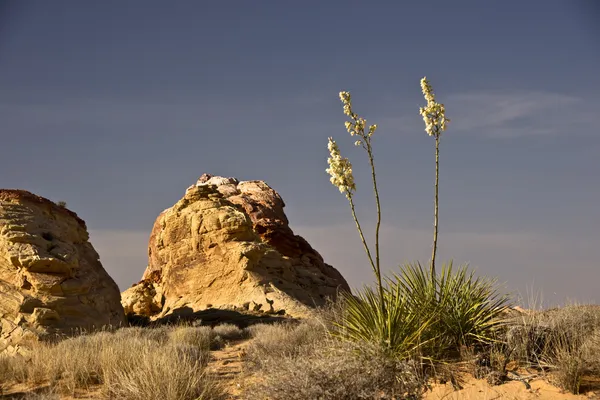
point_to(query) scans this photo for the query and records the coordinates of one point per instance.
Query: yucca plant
(465, 309)
(414, 308)
(397, 331)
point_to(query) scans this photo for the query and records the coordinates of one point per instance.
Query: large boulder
(51, 279)
(227, 244)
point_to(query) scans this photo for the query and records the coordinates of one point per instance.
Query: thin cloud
(509, 115)
(515, 114)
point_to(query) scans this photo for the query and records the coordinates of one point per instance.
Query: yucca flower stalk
(434, 116)
(340, 170)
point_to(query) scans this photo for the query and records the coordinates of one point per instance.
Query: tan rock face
(51, 279)
(228, 244)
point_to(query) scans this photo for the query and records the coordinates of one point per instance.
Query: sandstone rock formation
(227, 244)
(51, 280)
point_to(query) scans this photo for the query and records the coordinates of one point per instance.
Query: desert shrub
(281, 340)
(201, 337)
(229, 332)
(73, 362)
(572, 345)
(41, 365)
(173, 372)
(332, 369)
(563, 341)
(77, 361)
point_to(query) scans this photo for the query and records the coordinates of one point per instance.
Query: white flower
(434, 114)
(340, 170)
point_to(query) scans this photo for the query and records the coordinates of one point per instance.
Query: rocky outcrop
(227, 244)
(51, 279)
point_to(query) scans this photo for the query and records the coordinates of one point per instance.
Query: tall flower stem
(435, 207)
(378, 225)
(362, 236)
(356, 127)
(434, 116)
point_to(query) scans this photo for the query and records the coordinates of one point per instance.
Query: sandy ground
(474, 389)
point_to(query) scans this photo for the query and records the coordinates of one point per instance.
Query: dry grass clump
(175, 371)
(564, 342)
(130, 364)
(304, 362)
(229, 332)
(200, 337)
(282, 340)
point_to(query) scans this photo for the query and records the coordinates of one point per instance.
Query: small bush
(281, 340)
(572, 346)
(564, 341)
(229, 332)
(330, 370)
(174, 372)
(201, 337)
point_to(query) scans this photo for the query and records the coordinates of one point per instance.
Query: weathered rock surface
(51, 279)
(227, 244)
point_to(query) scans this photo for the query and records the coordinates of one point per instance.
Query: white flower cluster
(340, 170)
(357, 125)
(434, 114)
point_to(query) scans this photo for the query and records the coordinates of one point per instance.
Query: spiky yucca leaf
(472, 306)
(393, 329)
(465, 309)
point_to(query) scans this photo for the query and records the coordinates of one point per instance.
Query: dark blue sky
(117, 107)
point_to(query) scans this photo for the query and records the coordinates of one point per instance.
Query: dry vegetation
(131, 363)
(562, 344)
(304, 360)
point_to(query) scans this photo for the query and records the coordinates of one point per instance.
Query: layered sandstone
(227, 244)
(51, 279)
